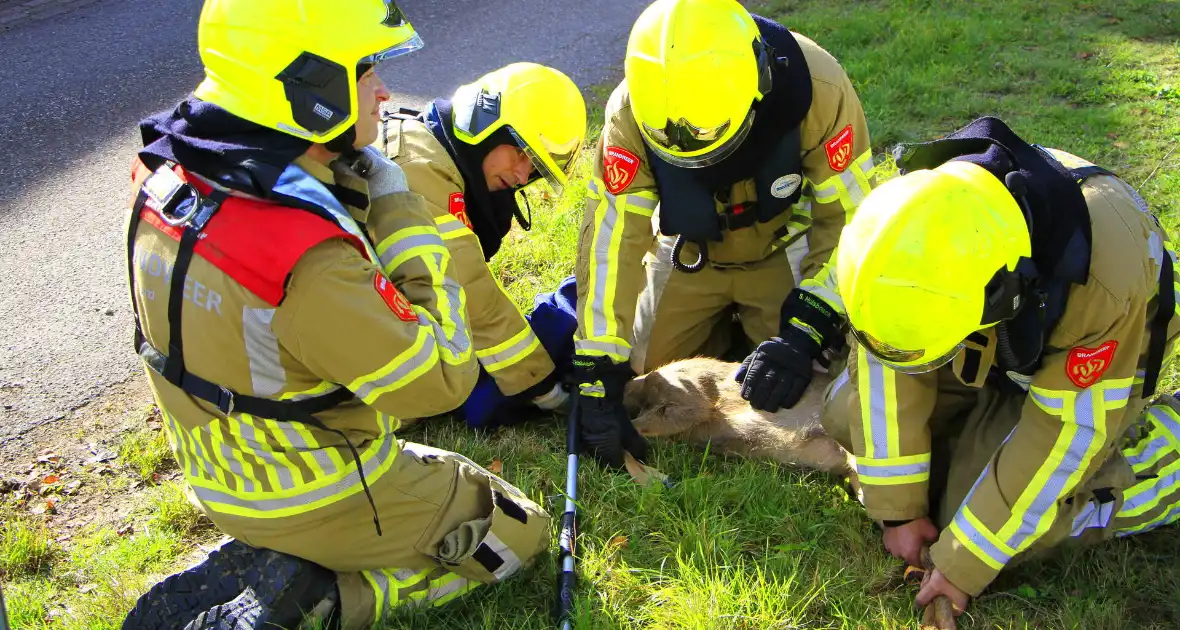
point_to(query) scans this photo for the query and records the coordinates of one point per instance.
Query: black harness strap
(1165, 309)
(174, 364)
(1165, 305)
(172, 368)
(132, 230)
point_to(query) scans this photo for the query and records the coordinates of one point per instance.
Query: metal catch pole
(569, 525)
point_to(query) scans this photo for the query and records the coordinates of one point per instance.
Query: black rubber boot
(237, 587)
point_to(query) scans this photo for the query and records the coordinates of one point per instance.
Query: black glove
(604, 430)
(776, 374)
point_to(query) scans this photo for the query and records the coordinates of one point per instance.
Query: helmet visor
(395, 18)
(560, 157)
(904, 361)
(683, 144)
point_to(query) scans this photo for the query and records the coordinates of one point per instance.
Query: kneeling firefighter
(731, 154)
(470, 157)
(1012, 306)
(282, 349)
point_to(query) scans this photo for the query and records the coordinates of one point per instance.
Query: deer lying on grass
(698, 401)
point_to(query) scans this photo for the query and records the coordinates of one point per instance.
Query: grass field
(748, 545)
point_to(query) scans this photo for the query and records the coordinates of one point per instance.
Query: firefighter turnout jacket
(1080, 397)
(504, 343)
(621, 223)
(301, 344)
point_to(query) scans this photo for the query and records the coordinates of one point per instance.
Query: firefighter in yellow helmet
(731, 154)
(282, 348)
(470, 156)
(1011, 307)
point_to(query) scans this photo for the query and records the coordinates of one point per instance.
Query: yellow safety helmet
(541, 107)
(695, 69)
(924, 260)
(291, 65)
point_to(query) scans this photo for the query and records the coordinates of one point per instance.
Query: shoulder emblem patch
(839, 149)
(1084, 366)
(619, 167)
(394, 298)
(457, 206)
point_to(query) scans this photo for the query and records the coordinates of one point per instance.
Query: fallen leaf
(1084, 55)
(49, 458)
(1113, 20)
(617, 542)
(125, 530)
(496, 467)
(44, 508)
(73, 486)
(49, 480)
(1112, 135)
(1120, 145)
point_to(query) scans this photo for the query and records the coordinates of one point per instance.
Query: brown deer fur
(697, 400)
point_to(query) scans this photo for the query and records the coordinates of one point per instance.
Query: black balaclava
(490, 212)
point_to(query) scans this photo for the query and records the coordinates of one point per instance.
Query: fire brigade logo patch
(839, 149)
(457, 206)
(394, 299)
(619, 167)
(1085, 366)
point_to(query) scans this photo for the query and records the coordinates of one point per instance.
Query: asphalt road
(71, 91)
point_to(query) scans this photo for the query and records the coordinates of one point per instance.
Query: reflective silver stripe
(205, 460)
(889, 470)
(1048, 402)
(1116, 394)
(300, 445)
(1151, 452)
(305, 396)
(1166, 519)
(1160, 487)
(511, 352)
(348, 481)
(405, 244)
(454, 585)
(460, 343)
(267, 375)
(1155, 246)
(601, 255)
(178, 434)
(582, 345)
(981, 542)
(852, 184)
(1093, 515)
(448, 227)
(642, 202)
(236, 467)
(796, 251)
(1077, 455)
(263, 452)
(511, 560)
(401, 575)
(380, 581)
(841, 381)
(424, 354)
(877, 440)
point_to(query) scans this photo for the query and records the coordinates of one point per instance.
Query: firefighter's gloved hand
(779, 370)
(776, 373)
(384, 177)
(604, 429)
